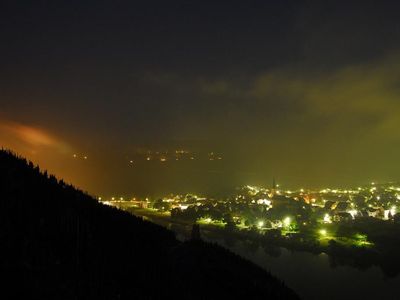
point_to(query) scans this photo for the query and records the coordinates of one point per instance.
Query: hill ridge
(59, 242)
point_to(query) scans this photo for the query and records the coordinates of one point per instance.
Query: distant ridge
(57, 242)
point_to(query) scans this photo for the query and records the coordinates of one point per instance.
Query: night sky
(304, 91)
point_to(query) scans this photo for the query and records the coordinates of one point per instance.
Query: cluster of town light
(327, 219)
(361, 240)
(286, 221)
(393, 210)
(353, 213)
(262, 196)
(323, 232)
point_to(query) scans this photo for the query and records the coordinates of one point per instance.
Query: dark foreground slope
(57, 242)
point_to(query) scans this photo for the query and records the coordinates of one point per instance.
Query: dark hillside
(57, 242)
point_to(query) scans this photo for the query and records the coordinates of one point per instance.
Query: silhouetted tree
(195, 236)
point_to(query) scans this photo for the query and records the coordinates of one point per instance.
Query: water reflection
(314, 276)
(317, 276)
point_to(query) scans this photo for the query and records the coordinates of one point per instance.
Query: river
(313, 277)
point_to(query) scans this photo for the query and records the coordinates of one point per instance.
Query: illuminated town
(307, 217)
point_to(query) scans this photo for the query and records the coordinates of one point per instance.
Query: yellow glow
(393, 210)
(264, 201)
(327, 218)
(287, 221)
(353, 213)
(323, 232)
(183, 207)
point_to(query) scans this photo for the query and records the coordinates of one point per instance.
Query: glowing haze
(304, 91)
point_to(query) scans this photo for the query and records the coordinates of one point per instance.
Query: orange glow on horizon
(17, 135)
